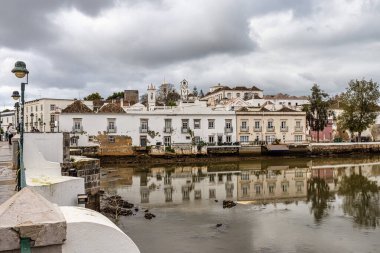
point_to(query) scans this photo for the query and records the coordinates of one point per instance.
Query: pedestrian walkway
(7, 175)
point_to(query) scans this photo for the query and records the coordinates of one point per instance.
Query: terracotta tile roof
(77, 107)
(237, 88)
(111, 108)
(286, 109)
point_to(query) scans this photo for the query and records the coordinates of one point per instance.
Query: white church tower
(184, 86)
(151, 97)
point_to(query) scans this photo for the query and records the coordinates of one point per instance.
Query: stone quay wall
(341, 148)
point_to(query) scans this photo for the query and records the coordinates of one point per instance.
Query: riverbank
(238, 153)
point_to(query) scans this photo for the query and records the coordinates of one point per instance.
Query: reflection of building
(272, 185)
(183, 184)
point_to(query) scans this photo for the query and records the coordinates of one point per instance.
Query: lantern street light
(16, 96)
(20, 71)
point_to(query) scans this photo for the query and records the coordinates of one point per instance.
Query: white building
(183, 124)
(6, 118)
(43, 114)
(219, 92)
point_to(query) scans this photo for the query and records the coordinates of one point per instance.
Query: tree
(167, 95)
(359, 104)
(317, 110)
(144, 99)
(201, 95)
(195, 91)
(93, 96)
(116, 95)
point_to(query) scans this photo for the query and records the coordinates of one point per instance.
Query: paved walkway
(7, 175)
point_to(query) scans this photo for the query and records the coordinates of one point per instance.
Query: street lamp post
(17, 106)
(20, 71)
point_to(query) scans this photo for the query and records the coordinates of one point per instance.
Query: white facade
(166, 126)
(43, 114)
(6, 118)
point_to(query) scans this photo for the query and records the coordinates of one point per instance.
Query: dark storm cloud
(76, 47)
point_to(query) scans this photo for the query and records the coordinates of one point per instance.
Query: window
(36, 108)
(167, 141)
(197, 124)
(77, 125)
(245, 190)
(197, 194)
(244, 124)
(229, 177)
(258, 189)
(211, 193)
(211, 139)
(211, 124)
(289, 103)
(168, 195)
(238, 95)
(228, 138)
(257, 124)
(41, 108)
(185, 126)
(74, 140)
(298, 124)
(299, 186)
(283, 124)
(270, 124)
(271, 188)
(168, 126)
(52, 107)
(26, 109)
(298, 173)
(31, 109)
(220, 178)
(244, 138)
(111, 127)
(197, 139)
(228, 124)
(143, 125)
(91, 138)
(111, 139)
(285, 187)
(244, 176)
(211, 178)
(298, 138)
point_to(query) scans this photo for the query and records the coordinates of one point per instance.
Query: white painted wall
(129, 123)
(90, 232)
(43, 153)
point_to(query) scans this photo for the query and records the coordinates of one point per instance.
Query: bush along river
(269, 205)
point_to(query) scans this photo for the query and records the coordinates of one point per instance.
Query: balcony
(111, 129)
(144, 129)
(257, 129)
(77, 129)
(284, 129)
(168, 130)
(244, 129)
(228, 129)
(185, 130)
(270, 129)
(298, 129)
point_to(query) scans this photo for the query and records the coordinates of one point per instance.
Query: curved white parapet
(91, 232)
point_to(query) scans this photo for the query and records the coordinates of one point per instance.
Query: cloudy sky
(73, 48)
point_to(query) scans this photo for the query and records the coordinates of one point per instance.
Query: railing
(168, 130)
(111, 130)
(257, 129)
(270, 129)
(144, 129)
(77, 130)
(298, 129)
(185, 130)
(244, 129)
(284, 129)
(228, 129)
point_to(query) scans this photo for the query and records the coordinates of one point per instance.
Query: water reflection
(352, 188)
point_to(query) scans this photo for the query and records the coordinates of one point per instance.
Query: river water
(283, 205)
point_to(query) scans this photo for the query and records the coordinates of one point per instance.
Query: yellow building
(260, 125)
